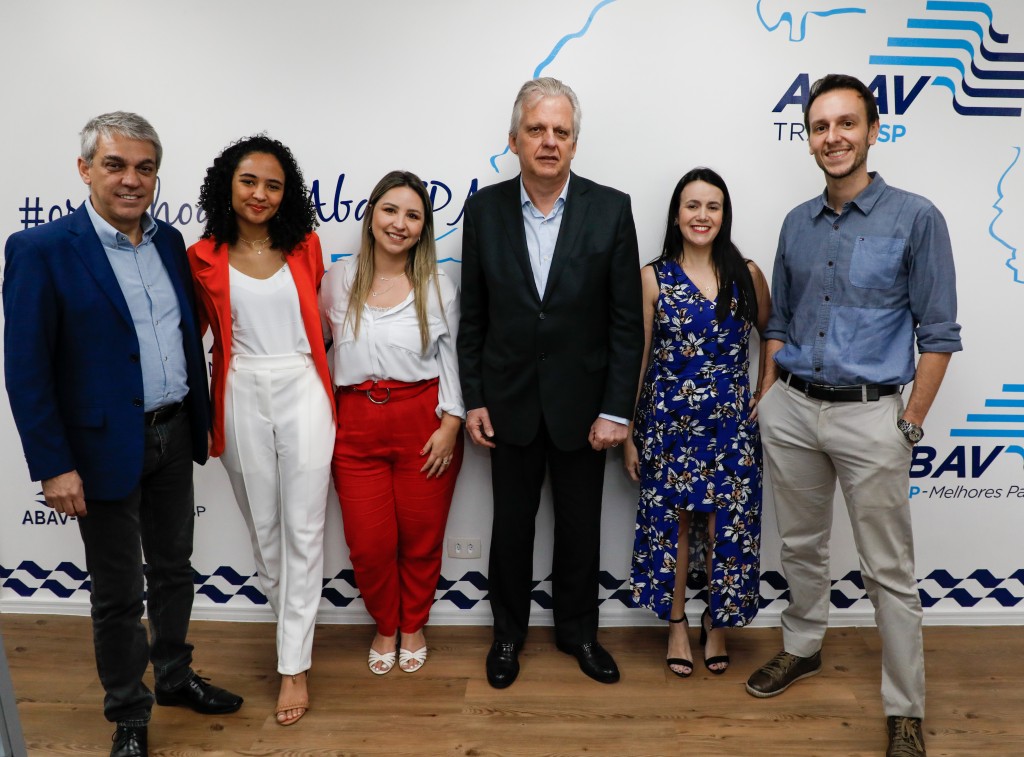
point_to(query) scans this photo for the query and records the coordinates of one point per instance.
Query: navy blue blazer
(71, 355)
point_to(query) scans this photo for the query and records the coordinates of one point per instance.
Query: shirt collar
(111, 237)
(865, 201)
(524, 198)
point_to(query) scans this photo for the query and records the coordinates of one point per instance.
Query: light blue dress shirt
(154, 306)
(541, 234)
(851, 291)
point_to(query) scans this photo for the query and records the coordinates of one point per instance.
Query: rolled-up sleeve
(933, 285)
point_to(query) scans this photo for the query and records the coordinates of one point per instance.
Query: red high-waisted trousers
(394, 516)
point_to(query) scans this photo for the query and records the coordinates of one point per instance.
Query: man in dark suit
(550, 340)
(107, 382)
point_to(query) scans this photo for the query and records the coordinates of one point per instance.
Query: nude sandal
(301, 705)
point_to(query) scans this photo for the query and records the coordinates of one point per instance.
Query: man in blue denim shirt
(860, 272)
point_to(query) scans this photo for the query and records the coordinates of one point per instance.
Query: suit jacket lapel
(512, 217)
(87, 244)
(577, 203)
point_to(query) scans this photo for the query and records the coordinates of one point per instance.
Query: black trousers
(577, 481)
(156, 521)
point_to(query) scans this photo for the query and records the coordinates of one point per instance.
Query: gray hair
(122, 123)
(545, 86)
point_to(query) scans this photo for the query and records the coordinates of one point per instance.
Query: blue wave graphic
(1001, 425)
(549, 59)
(1018, 275)
(972, 44)
(787, 18)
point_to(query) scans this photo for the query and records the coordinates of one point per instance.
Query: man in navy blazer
(106, 377)
(550, 341)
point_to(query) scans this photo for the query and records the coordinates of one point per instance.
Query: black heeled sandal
(718, 659)
(680, 661)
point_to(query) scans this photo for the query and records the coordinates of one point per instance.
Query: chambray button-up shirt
(852, 291)
(148, 290)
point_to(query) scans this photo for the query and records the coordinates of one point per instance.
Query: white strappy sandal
(386, 661)
(410, 662)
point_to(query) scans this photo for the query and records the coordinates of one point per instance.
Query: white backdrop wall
(357, 89)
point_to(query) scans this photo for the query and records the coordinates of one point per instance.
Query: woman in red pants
(394, 316)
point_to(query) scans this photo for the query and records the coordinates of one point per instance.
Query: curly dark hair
(294, 219)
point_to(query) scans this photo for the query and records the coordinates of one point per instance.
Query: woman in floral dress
(695, 447)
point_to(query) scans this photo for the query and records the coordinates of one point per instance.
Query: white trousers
(279, 438)
(808, 445)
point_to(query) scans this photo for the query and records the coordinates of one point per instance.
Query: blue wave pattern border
(227, 587)
(798, 32)
(937, 40)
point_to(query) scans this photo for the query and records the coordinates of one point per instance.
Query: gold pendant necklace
(256, 244)
(384, 278)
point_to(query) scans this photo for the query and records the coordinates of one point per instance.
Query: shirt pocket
(876, 261)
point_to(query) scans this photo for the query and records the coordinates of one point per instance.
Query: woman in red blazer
(257, 271)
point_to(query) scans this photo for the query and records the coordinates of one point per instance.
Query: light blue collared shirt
(154, 307)
(541, 234)
(851, 291)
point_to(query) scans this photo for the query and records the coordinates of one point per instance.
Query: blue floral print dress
(699, 451)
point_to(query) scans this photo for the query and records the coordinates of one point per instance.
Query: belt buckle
(372, 389)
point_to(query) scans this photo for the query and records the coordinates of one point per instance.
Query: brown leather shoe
(781, 672)
(905, 737)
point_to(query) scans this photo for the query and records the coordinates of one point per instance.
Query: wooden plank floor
(975, 697)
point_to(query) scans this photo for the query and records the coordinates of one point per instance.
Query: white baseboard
(480, 615)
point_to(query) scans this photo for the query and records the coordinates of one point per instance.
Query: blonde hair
(420, 267)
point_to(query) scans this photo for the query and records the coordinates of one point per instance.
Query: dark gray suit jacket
(566, 354)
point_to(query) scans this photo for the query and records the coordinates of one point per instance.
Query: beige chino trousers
(808, 445)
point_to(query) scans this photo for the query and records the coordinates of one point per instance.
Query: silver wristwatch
(912, 431)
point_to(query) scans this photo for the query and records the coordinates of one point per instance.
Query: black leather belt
(162, 414)
(849, 393)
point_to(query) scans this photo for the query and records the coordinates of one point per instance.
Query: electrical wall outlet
(464, 547)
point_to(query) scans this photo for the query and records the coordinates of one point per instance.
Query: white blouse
(265, 315)
(389, 346)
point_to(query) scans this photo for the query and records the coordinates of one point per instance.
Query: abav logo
(997, 432)
(952, 45)
(959, 48)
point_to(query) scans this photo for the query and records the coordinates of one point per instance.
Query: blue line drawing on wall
(550, 58)
(1011, 262)
(786, 17)
(536, 72)
(971, 52)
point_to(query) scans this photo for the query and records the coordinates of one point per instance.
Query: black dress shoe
(594, 660)
(502, 664)
(129, 741)
(201, 696)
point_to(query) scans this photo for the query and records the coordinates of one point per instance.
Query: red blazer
(209, 262)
